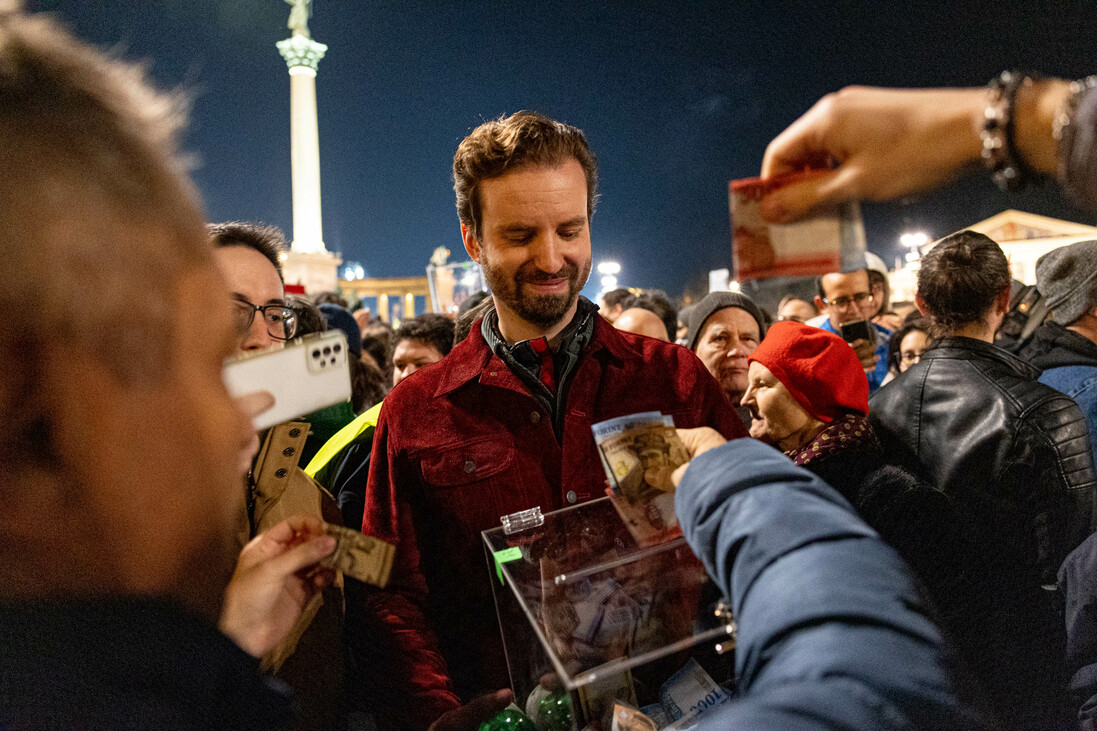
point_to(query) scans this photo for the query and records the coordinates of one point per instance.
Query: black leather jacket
(1013, 455)
(972, 420)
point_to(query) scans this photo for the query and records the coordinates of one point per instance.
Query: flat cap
(1065, 278)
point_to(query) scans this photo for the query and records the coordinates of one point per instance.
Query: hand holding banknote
(697, 442)
(275, 577)
(881, 144)
(639, 453)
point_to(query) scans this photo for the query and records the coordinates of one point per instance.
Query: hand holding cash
(282, 569)
(831, 240)
(359, 556)
(696, 442)
(639, 453)
(275, 577)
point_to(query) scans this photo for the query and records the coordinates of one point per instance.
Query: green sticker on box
(506, 556)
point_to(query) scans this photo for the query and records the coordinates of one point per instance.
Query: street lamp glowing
(609, 267)
(914, 240)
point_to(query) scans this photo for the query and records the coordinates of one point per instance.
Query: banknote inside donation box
(608, 619)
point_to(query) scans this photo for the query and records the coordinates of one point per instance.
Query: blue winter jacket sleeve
(833, 632)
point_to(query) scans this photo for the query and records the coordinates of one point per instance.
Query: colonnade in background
(387, 292)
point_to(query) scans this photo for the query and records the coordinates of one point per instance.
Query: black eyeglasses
(280, 320)
(841, 303)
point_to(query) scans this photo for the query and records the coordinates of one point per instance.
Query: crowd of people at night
(902, 521)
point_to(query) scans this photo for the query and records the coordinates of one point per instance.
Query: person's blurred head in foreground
(123, 479)
(801, 379)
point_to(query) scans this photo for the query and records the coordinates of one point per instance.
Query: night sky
(676, 99)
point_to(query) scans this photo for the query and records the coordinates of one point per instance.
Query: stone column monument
(308, 261)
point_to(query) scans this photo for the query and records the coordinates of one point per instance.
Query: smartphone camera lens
(327, 350)
(316, 355)
(336, 348)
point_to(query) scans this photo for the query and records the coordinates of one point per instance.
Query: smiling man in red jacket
(502, 424)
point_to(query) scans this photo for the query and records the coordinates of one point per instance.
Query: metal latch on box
(522, 520)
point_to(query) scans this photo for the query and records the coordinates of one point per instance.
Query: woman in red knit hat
(808, 396)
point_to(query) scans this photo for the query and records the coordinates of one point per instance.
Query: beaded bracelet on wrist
(1007, 168)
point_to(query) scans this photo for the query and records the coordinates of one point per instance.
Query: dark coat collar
(1053, 346)
(961, 348)
(472, 358)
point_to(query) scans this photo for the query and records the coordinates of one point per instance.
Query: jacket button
(294, 433)
(571, 496)
(281, 472)
(469, 466)
(534, 417)
(288, 451)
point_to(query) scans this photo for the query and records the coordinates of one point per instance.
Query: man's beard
(543, 311)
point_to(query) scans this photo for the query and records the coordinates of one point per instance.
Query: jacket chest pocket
(469, 482)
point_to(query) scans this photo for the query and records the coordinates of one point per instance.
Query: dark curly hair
(960, 278)
(431, 329)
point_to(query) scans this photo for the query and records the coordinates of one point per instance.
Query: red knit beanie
(818, 368)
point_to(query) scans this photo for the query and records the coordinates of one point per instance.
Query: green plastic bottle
(508, 719)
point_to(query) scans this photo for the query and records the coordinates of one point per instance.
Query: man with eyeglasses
(310, 659)
(248, 256)
(847, 297)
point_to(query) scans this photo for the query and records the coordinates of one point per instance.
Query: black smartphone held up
(857, 330)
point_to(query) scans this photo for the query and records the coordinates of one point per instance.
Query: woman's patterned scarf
(851, 431)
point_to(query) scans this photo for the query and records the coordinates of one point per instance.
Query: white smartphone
(306, 375)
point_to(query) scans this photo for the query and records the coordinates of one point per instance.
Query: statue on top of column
(298, 22)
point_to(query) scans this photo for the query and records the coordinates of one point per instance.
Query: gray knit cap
(1065, 278)
(716, 301)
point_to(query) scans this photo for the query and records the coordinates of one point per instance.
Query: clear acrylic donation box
(588, 612)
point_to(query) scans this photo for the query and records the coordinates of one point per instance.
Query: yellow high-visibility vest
(342, 438)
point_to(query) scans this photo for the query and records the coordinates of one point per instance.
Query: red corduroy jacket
(463, 442)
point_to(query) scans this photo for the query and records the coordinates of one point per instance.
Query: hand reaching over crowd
(885, 143)
(275, 578)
